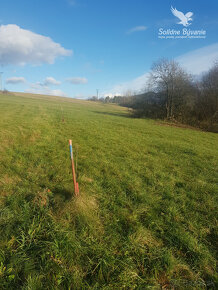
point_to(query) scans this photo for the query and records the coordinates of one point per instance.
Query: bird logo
(184, 18)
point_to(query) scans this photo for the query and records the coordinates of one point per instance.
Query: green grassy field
(146, 214)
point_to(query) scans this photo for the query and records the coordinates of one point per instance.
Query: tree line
(175, 95)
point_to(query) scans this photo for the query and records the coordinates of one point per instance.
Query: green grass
(146, 214)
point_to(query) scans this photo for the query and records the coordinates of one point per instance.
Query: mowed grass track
(146, 214)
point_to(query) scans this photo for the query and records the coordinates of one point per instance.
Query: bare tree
(170, 79)
(209, 97)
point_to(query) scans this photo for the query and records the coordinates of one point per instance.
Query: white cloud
(15, 80)
(77, 80)
(19, 47)
(51, 81)
(136, 29)
(199, 60)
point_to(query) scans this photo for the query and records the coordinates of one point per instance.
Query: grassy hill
(146, 214)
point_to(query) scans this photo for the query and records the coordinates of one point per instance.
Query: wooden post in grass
(76, 185)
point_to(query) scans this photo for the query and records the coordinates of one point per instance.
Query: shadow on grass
(63, 193)
(125, 115)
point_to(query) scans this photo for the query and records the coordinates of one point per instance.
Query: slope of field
(146, 214)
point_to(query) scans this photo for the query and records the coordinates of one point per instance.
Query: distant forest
(174, 95)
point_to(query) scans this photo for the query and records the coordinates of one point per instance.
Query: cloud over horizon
(20, 47)
(37, 88)
(43, 88)
(51, 81)
(196, 62)
(15, 80)
(136, 85)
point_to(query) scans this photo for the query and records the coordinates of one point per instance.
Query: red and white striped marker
(76, 185)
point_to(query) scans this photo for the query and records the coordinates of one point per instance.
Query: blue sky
(73, 47)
